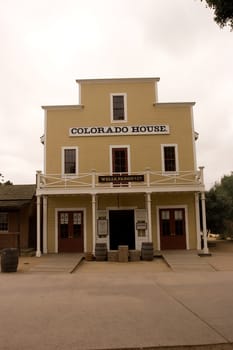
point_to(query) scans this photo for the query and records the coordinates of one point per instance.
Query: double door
(70, 231)
(172, 228)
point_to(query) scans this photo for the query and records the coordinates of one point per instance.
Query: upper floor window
(70, 156)
(119, 160)
(3, 222)
(169, 158)
(119, 163)
(118, 107)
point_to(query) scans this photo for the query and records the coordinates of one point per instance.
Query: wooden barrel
(101, 251)
(147, 251)
(9, 259)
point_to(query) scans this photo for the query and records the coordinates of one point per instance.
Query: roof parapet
(117, 80)
(63, 107)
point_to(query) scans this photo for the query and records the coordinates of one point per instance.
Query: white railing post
(93, 222)
(148, 177)
(148, 197)
(38, 249)
(205, 248)
(38, 215)
(202, 174)
(45, 222)
(93, 173)
(38, 180)
(198, 230)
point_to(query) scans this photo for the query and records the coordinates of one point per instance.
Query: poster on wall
(102, 227)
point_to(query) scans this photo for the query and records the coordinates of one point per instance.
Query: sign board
(119, 130)
(141, 225)
(121, 178)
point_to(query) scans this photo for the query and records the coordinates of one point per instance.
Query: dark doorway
(121, 227)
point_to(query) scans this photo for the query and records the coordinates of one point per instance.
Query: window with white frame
(119, 163)
(70, 160)
(119, 160)
(118, 107)
(169, 158)
(4, 222)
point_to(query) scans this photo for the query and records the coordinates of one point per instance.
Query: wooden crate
(113, 255)
(123, 255)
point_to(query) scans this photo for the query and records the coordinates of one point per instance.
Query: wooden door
(172, 228)
(70, 231)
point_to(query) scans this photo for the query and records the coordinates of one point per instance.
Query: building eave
(173, 104)
(62, 107)
(117, 80)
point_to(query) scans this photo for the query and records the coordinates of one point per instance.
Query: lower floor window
(3, 222)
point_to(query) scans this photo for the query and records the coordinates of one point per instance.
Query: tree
(223, 11)
(2, 182)
(219, 206)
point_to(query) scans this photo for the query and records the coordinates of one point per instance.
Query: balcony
(138, 182)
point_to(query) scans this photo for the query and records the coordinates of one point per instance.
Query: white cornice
(63, 107)
(117, 80)
(173, 104)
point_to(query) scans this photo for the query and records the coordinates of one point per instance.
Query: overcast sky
(47, 44)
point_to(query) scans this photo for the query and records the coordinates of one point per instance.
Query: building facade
(119, 168)
(18, 216)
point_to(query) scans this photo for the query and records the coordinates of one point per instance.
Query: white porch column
(93, 222)
(38, 250)
(198, 230)
(45, 221)
(205, 249)
(148, 197)
(38, 214)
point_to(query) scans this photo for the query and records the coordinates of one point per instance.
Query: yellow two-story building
(119, 168)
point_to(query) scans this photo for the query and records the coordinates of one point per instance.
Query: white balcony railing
(100, 181)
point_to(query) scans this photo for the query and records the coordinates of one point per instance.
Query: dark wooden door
(70, 231)
(172, 228)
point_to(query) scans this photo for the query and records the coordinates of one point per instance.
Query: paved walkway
(176, 260)
(187, 260)
(56, 263)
